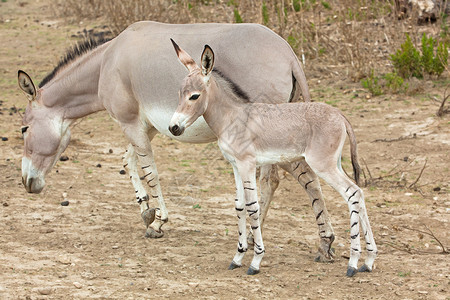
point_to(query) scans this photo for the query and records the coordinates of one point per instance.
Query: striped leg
(353, 196)
(130, 163)
(239, 203)
(310, 182)
(140, 139)
(371, 247)
(268, 182)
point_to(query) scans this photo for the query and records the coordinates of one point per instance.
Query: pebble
(115, 247)
(45, 291)
(64, 158)
(122, 172)
(4, 139)
(422, 292)
(65, 260)
(77, 285)
(5, 204)
(98, 165)
(65, 203)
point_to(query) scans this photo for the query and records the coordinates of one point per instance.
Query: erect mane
(77, 50)
(235, 89)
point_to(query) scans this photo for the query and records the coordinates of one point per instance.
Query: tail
(299, 76)
(353, 150)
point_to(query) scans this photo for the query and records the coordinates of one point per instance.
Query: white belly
(275, 157)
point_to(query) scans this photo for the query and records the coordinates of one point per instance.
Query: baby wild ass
(255, 134)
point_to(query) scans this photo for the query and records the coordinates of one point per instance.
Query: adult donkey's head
(193, 96)
(45, 133)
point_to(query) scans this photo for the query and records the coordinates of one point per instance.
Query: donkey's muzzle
(176, 130)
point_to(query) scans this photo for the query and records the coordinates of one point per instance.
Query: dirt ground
(95, 247)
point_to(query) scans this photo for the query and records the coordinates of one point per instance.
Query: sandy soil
(95, 247)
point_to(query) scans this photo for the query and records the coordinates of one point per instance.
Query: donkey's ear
(184, 57)
(207, 60)
(26, 84)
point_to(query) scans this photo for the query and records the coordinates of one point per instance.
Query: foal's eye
(24, 129)
(194, 97)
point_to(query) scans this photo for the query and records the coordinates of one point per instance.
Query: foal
(255, 134)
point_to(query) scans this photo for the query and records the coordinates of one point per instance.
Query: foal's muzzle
(176, 130)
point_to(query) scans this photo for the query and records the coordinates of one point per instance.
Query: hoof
(252, 271)
(233, 266)
(148, 216)
(351, 272)
(364, 268)
(152, 234)
(325, 257)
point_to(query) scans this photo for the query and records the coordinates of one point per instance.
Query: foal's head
(193, 93)
(45, 135)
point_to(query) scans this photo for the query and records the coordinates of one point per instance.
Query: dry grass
(342, 38)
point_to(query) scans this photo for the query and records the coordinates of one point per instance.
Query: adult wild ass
(134, 78)
(272, 134)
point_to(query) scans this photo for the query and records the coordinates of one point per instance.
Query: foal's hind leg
(130, 161)
(354, 197)
(310, 182)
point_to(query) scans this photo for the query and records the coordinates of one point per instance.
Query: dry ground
(95, 247)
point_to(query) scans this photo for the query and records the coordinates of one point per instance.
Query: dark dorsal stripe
(77, 50)
(236, 89)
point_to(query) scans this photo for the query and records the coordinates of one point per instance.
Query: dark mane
(77, 50)
(236, 89)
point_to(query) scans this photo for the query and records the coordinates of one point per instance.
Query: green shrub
(265, 14)
(406, 61)
(371, 83)
(394, 83)
(237, 16)
(409, 62)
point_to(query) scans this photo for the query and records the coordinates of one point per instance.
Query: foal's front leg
(246, 185)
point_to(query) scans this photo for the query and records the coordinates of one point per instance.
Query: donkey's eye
(24, 129)
(194, 97)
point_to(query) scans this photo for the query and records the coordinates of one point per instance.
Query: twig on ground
(441, 111)
(430, 233)
(420, 174)
(413, 136)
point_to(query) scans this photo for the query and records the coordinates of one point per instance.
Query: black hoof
(364, 268)
(252, 271)
(351, 272)
(153, 234)
(148, 216)
(233, 266)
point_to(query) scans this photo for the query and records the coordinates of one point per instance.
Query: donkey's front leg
(310, 182)
(140, 139)
(130, 161)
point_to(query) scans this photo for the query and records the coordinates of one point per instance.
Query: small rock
(45, 291)
(65, 203)
(122, 172)
(437, 189)
(4, 138)
(65, 260)
(422, 292)
(98, 165)
(5, 204)
(77, 285)
(64, 158)
(110, 151)
(115, 247)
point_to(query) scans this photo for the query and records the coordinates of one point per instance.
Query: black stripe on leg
(298, 165)
(320, 224)
(306, 185)
(151, 179)
(319, 214)
(302, 173)
(352, 195)
(347, 189)
(143, 177)
(252, 212)
(356, 250)
(141, 155)
(356, 223)
(356, 202)
(239, 209)
(247, 188)
(154, 197)
(251, 203)
(261, 252)
(247, 181)
(145, 167)
(353, 211)
(354, 236)
(254, 227)
(314, 201)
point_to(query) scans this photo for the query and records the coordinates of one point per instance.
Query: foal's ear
(26, 84)
(184, 57)
(207, 61)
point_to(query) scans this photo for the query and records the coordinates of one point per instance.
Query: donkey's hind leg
(371, 247)
(310, 182)
(130, 161)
